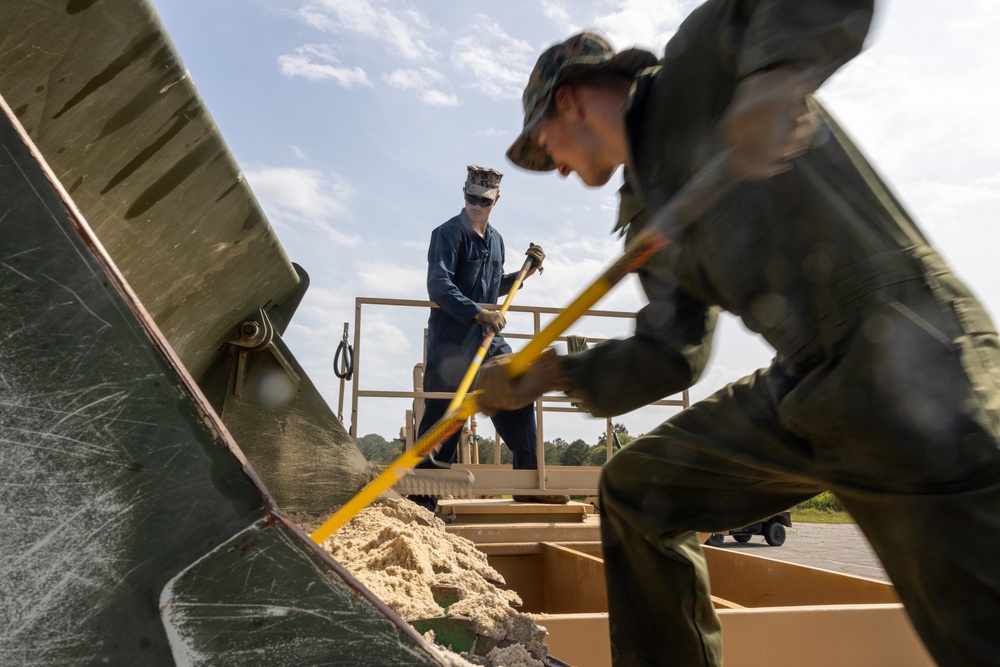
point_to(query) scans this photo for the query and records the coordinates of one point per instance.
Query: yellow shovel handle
(484, 347)
(461, 408)
(638, 252)
(447, 425)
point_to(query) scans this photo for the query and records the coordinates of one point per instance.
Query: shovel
(457, 481)
(699, 194)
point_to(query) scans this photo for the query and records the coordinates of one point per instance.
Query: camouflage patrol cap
(585, 51)
(483, 181)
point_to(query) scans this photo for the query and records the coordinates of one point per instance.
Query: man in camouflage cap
(465, 268)
(583, 53)
(885, 387)
(483, 182)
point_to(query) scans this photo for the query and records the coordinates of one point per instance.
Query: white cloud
(424, 80)
(950, 210)
(381, 333)
(903, 102)
(572, 262)
(498, 63)
(397, 26)
(983, 24)
(436, 98)
(304, 63)
(413, 79)
(559, 13)
(645, 23)
(393, 280)
(323, 311)
(293, 196)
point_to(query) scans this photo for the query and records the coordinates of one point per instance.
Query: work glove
(768, 121)
(500, 392)
(536, 253)
(491, 318)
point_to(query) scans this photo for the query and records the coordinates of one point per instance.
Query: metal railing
(493, 479)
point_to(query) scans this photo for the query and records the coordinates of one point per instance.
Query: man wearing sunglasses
(465, 268)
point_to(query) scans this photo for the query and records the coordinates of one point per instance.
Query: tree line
(558, 452)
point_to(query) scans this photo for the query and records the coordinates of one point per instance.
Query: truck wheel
(715, 540)
(741, 537)
(774, 534)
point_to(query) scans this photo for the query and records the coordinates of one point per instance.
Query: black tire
(715, 540)
(774, 534)
(742, 537)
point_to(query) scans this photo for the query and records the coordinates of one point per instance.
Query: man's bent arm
(667, 354)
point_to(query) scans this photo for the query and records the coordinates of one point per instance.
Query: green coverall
(884, 387)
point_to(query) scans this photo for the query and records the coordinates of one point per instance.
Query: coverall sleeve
(507, 279)
(507, 282)
(667, 354)
(826, 33)
(442, 263)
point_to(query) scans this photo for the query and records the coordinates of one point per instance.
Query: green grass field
(824, 508)
(819, 516)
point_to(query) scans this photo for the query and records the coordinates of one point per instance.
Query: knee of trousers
(616, 473)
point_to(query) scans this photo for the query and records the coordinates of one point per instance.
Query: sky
(354, 120)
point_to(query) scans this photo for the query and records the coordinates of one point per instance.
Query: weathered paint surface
(122, 491)
(297, 445)
(102, 92)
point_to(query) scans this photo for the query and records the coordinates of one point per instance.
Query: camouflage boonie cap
(577, 54)
(483, 181)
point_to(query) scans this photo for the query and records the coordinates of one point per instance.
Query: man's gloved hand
(499, 392)
(768, 121)
(491, 318)
(536, 253)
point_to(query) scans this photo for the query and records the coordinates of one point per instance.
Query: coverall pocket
(980, 351)
(468, 274)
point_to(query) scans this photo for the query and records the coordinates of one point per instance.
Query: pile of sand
(400, 551)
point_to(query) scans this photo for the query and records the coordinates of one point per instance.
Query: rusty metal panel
(103, 93)
(119, 482)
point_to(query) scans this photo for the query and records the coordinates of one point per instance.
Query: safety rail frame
(490, 480)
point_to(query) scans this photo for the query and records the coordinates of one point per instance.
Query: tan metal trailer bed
(773, 613)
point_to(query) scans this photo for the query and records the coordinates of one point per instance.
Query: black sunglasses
(481, 202)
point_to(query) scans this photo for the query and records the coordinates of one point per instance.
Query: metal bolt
(250, 328)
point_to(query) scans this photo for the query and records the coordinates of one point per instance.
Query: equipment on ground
(772, 529)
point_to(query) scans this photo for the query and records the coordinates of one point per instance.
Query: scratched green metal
(129, 521)
(103, 93)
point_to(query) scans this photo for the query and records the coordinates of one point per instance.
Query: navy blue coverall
(463, 270)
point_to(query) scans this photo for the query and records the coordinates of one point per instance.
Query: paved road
(837, 547)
